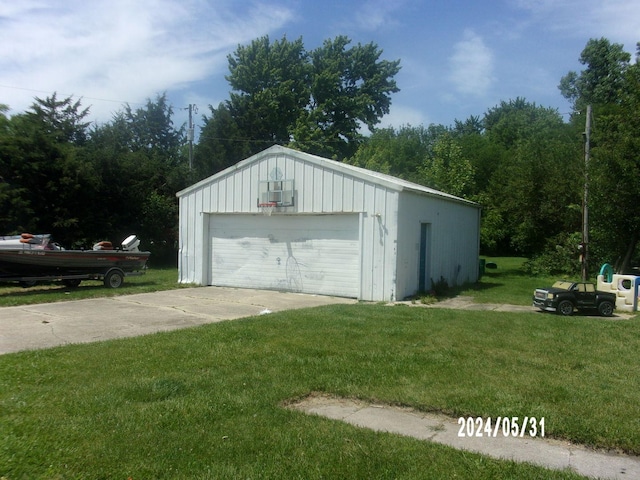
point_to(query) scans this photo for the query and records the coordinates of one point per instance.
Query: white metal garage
(304, 253)
(335, 229)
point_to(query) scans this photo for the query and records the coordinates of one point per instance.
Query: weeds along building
(286, 220)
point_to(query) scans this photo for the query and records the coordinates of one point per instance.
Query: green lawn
(206, 402)
(505, 284)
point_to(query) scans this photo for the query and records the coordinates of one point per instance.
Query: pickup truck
(565, 297)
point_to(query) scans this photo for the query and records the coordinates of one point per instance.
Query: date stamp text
(480, 427)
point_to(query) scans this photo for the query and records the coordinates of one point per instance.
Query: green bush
(561, 256)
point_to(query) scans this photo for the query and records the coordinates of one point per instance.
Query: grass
(505, 284)
(155, 279)
(207, 402)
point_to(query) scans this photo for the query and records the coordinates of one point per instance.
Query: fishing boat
(28, 258)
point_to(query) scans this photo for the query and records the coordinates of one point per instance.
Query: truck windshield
(562, 285)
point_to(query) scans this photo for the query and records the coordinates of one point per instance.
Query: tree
(350, 89)
(400, 152)
(610, 83)
(47, 183)
(14, 208)
(270, 82)
(314, 101)
(63, 119)
(531, 193)
(471, 126)
(151, 130)
(485, 156)
(85, 183)
(141, 165)
(222, 142)
(615, 174)
(447, 169)
(603, 79)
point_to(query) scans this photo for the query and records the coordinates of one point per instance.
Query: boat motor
(130, 244)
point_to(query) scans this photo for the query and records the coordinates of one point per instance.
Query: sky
(459, 58)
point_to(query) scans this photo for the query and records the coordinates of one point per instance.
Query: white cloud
(120, 50)
(619, 21)
(400, 115)
(471, 65)
(375, 14)
(616, 20)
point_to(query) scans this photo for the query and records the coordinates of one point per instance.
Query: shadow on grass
(443, 293)
(488, 281)
(57, 288)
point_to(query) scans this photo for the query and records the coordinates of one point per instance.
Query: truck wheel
(113, 279)
(565, 307)
(605, 309)
(71, 283)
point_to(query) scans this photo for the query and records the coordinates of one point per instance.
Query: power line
(70, 95)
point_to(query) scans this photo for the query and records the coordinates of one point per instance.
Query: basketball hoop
(267, 208)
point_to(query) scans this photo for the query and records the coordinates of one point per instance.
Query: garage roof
(388, 181)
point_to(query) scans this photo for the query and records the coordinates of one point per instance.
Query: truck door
(585, 295)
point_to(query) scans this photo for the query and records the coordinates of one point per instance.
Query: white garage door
(301, 253)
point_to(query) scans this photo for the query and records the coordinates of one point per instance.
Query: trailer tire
(72, 282)
(114, 279)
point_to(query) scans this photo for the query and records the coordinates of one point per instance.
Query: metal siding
(230, 193)
(299, 177)
(188, 257)
(183, 238)
(213, 200)
(370, 248)
(253, 172)
(347, 194)
(199, 239)
(306, 205)
(239, 192)
(328, 189)
(222, 195)
(317, 190)
(454, 241)
(338, 193)
(249, 194)
(386, 243)
(289, 170)
(358, 195)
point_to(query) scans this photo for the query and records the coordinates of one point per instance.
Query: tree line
(522, 162)
(83, 183)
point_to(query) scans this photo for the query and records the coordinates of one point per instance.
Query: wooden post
(585, 200)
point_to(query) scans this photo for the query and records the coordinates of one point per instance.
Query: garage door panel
(311, 254)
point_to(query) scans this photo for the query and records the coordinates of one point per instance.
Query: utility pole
(585, 201)
(190, 134)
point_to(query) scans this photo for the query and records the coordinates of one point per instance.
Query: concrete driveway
(52, 324)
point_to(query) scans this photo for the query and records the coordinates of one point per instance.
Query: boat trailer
(112, 278)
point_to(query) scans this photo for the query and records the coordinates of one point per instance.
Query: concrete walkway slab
(462, 302)
(545, 452)
(48, 325)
